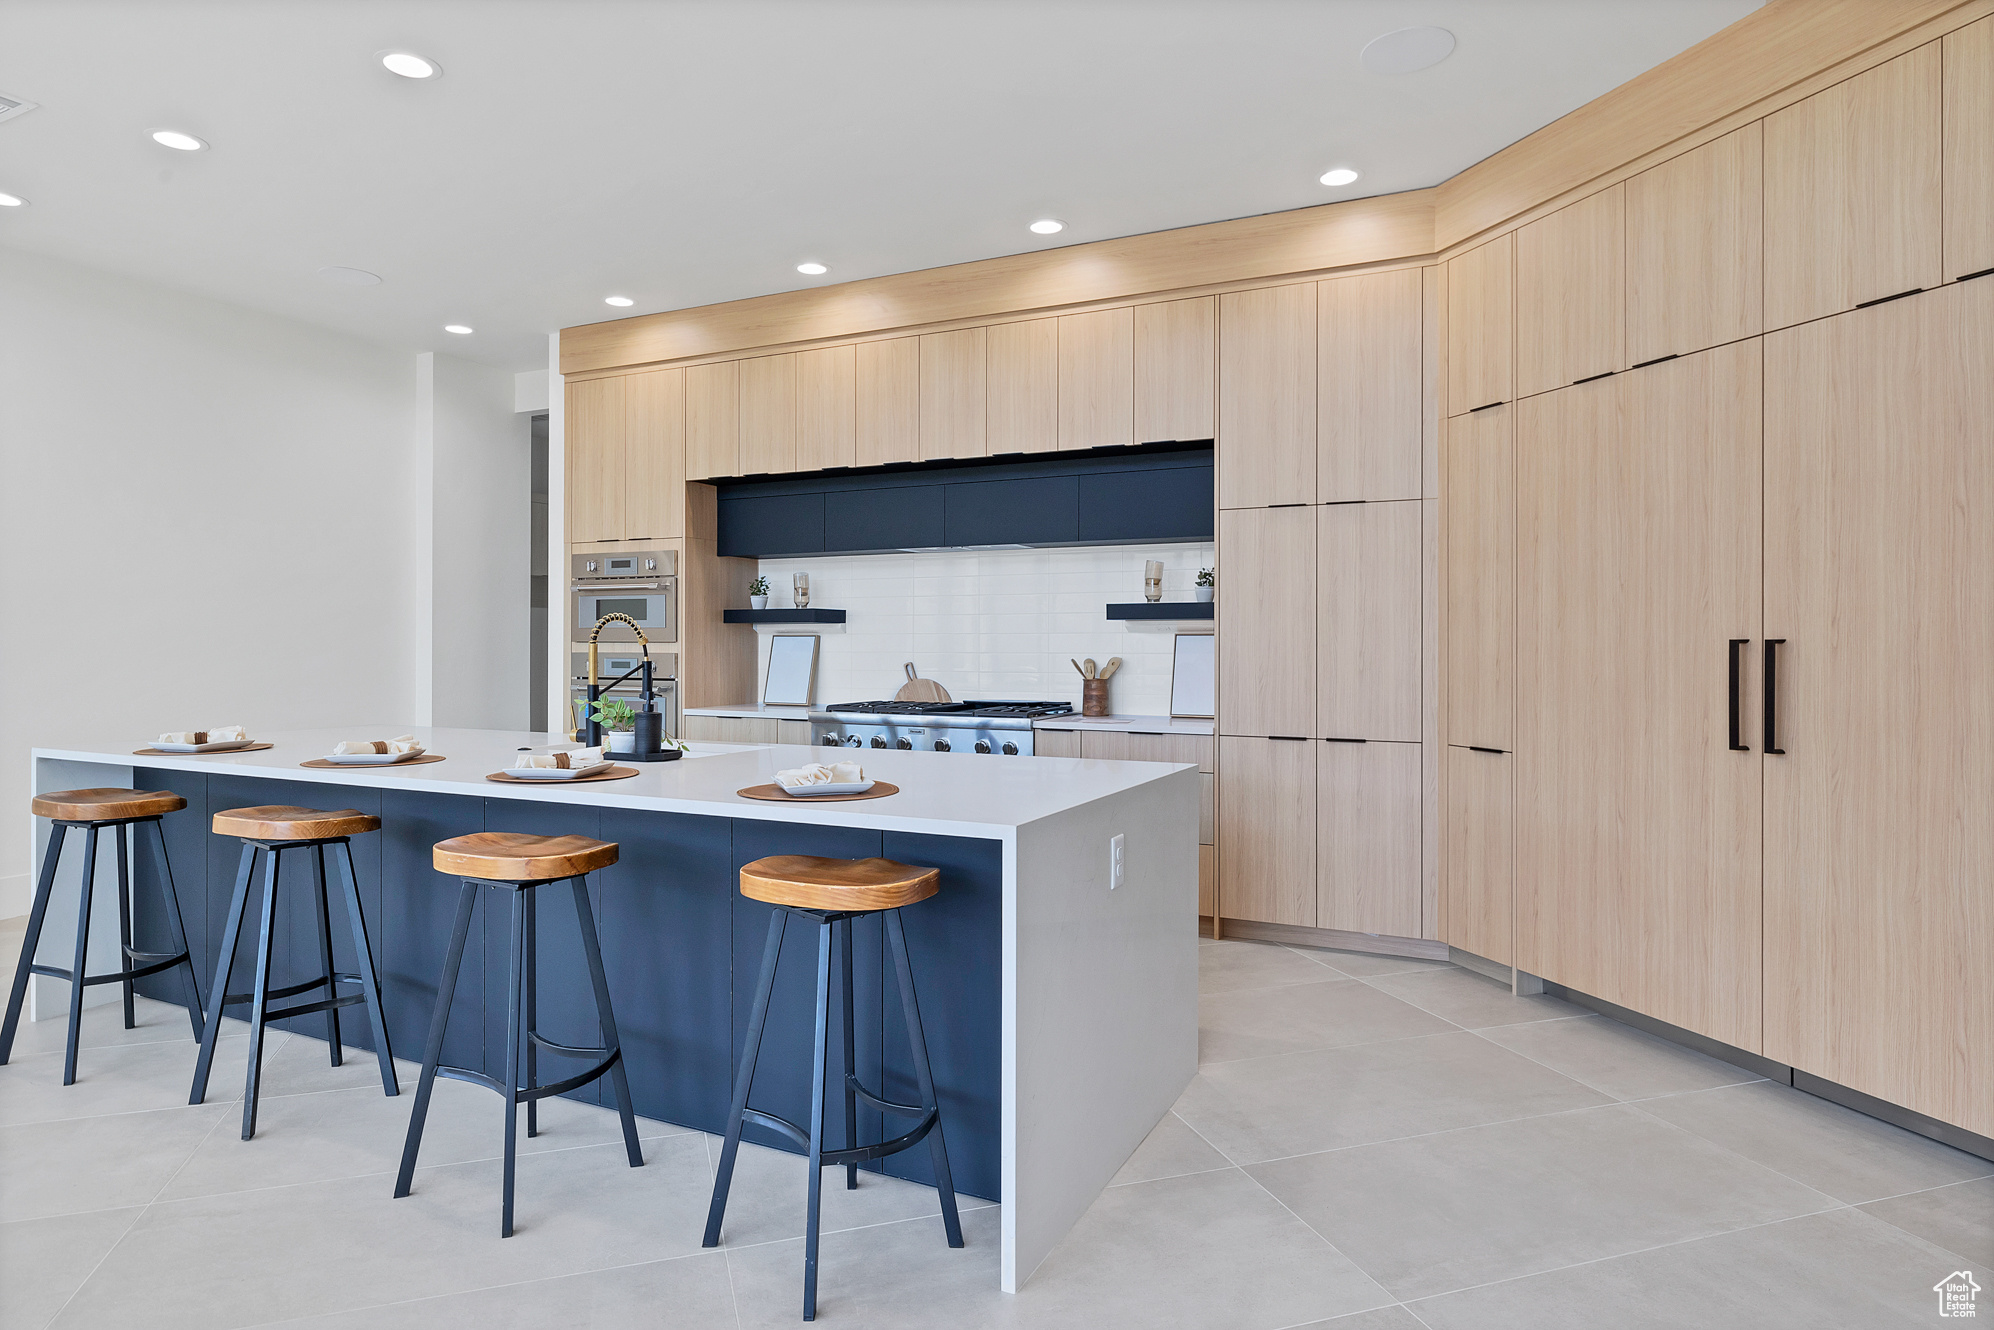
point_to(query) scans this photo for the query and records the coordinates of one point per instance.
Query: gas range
(1000, 728)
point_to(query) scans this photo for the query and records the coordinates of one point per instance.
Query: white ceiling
(685, 153)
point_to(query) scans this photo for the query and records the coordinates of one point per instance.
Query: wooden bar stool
(92, 811)
(515, 862)
(830, 892)
(272, 829)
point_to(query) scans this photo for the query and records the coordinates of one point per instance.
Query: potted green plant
(1206, 584)
(758, 593)
(619, 724)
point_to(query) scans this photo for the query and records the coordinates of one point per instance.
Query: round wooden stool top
(513, 856)
(286, 822)
(811, 883)
(106, 805)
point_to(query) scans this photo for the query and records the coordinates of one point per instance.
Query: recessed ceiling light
(349, 276)
(173, 138)
(1047, 226)
(812, 269)
(1342, 175)
(12, 201)
(1408, 50)
(618, 301)
(410, 65)
(455, 328)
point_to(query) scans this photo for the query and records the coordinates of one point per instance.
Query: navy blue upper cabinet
(1130, 496)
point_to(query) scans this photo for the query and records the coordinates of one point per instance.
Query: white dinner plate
(816, 791)
(555, 773)
(370, 759)
(221, 747)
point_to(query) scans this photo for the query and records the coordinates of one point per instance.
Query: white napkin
(817, 773)
(573, 759)
(403, 744)
(226, 734)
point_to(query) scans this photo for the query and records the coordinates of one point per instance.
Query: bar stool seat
(830, 892)
(110, 805)
(91, 811)
(287, 822)
(518, 863)
(271, 830)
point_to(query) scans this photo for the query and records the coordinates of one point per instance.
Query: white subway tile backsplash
(991, 623)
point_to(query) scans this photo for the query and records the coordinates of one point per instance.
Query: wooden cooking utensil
(1114, 663)
(1076, 668)
(1092, 671)
(917, 689)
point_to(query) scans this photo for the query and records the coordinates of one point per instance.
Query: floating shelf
(783, 616)
(1163, 609)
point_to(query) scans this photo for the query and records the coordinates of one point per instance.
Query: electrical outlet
(1115, 863)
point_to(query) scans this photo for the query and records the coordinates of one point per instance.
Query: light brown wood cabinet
(1853, 193)
(1477, 890)
(1571, 270)
(1367, 837)
(1479, 514)
(1176, 370)
(1638, 566)
(1097, 379)
(826, 409)
(1267, 396)
(1022, 391)
(1367, 621)
(768, 415)
(1370, 386)
(1968, 150)
(1130, 746)
(1267, 830)
(1267, 635)
(594, 446)
(713, 420)
(1055, 743)
(1480, 317)
(654, 455)
(1695, 249)
(888, 408)
(953, 370)
(1878, 844)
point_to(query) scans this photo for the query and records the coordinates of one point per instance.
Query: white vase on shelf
(759, 602)
(620, 741)
(1205, 592)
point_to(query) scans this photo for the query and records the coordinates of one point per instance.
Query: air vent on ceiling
(13, 106)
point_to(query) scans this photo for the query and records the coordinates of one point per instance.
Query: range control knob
(831, 741)
(1011, 749)
(854, 742)
(982, 745)
(878, 742)
(903, 743)
(941, 745)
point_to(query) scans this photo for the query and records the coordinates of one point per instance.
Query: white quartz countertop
(1129, 724)
(941, 793)
(752, 711)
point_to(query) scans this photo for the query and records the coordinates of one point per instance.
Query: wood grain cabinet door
(654, 455)
(1478, 513)
(953, 372)
(713, 420)
(1176, 370)
(1477, 890)
(1879, 914)
(1021, 394)
(1097, 379)
(1853, 192)
(826, 408)
(1968, 164)
(1638, 564)
(1368, 621)
(768, 415)
(1367, 837)
(1370, 386)
(1267, 633)
(1480, 325)
(1570, 293)
(1267, 397)
(889, 401)
(1267, 830)
(1695, 265)
(594, 447)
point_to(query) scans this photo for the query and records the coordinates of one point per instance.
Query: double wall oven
(644, 585)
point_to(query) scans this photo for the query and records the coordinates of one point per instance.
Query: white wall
(991, 623)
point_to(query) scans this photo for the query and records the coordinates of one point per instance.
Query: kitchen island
(1060, 1011)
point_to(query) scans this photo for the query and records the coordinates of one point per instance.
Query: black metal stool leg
(179, 928)
(851, 1066)
(606, 1018)
(810, 1222)
(370, 978)
(944, 1184)
(43, 890)
(745, 1078)
(259, 995)
(432, 1053)
(76, 970)
(325, 954)
(517, 953)
(121, 834)
(532, 1008)
(224, 966)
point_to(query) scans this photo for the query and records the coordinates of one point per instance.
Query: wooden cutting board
(917, 689)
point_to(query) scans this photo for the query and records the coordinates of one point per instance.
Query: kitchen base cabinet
(1367, 837)
(1267, 830)
(1879, 846)
(1267, 634)
(1477, 896)
(745, 730)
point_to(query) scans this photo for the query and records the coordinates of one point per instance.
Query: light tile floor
(1370, 1144)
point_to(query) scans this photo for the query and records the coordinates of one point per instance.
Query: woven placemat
(325, 765)
(613, 773)
(213, 752)
(774, 794)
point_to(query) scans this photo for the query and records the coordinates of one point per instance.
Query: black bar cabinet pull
(1643, 364)
(1290, 738)
(1732, 651)
(1476, 748)
(1884, 300)
(1773, 644)
(1594, 378)
(1485, 406)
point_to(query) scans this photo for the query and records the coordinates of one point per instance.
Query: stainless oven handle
(617, 586)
